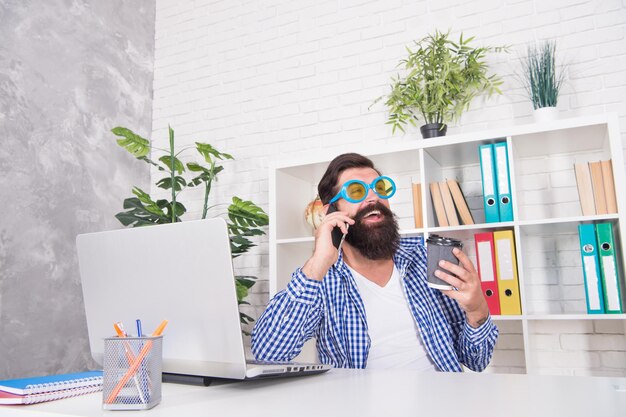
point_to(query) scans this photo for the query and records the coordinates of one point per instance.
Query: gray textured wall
(70, 70)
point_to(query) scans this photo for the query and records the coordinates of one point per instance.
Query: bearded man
(367, 301)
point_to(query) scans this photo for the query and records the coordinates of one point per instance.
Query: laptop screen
(181, 272)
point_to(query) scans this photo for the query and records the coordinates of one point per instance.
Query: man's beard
(375, 241)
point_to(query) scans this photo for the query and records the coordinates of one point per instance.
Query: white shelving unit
(554, 323)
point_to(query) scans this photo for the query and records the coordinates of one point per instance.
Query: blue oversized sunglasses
(355, 191)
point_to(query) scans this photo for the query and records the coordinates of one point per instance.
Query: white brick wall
(267, 80)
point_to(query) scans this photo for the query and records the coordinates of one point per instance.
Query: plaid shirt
(332, 311)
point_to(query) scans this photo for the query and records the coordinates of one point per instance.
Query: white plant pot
(545, 114)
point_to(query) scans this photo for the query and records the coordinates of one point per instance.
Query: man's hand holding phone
(328, 237)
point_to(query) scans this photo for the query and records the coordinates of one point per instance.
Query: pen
(160, 328)
(119, 329)
(139, 332)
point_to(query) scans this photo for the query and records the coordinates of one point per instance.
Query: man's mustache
(368, 209)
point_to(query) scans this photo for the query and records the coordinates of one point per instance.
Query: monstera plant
(244, 218)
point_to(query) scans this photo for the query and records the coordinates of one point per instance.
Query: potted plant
(542, 80)
(244, 218)
(442, 78)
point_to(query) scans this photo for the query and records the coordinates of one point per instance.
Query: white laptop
(181, 272)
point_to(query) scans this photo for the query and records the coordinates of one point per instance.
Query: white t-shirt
(395, 342)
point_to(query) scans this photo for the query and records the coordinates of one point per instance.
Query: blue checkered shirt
(332, 311)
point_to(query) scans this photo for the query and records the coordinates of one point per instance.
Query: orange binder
(486, 264)
(506, 271)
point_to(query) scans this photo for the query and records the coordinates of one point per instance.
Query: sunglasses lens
(356, 191)
(384, 187)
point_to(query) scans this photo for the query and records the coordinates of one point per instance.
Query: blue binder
(490, 191)
(503, 182)
(591, 269)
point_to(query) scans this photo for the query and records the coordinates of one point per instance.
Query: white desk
(389, 393)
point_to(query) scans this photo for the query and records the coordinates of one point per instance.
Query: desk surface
(370, 393)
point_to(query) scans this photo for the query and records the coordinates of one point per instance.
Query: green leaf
(147, 202)
(151, 162)
(240, 245)
(245, 214)
(132, 142)
(138, 215)
(178, 166)
(247, 281)
(207, 151)
(179, 209)
(166, 183)
(207, 174)
(130, 219)
(242, 291)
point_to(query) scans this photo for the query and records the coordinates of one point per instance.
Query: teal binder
(503, 182)
(611, 283)
(490, 191)
(591, 269)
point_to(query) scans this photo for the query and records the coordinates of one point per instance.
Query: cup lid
(444, 241)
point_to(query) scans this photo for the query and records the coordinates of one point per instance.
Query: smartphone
(337, 234)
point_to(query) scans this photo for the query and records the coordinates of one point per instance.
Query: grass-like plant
(442, 78)
(244, 218)
(542, 80)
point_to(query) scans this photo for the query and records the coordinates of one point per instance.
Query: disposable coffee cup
(440, 248)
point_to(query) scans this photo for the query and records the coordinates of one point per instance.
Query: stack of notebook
(47, 388)
(449, 203)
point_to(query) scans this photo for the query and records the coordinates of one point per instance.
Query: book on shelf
(448, 204)
(599, 198)
(51, 387)
(585, 189)
(417, 205)
(596, 187)
(440, 211)
(460, 202)
(609, 186)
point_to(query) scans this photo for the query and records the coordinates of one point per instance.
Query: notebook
(47, 388)
(181, 272)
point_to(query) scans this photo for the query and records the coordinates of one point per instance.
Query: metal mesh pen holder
(132, 372)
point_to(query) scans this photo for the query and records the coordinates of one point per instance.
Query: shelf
(547, 213)
(565, 220)
(546, 317)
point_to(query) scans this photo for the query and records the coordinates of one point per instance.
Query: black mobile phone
(337, 234)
